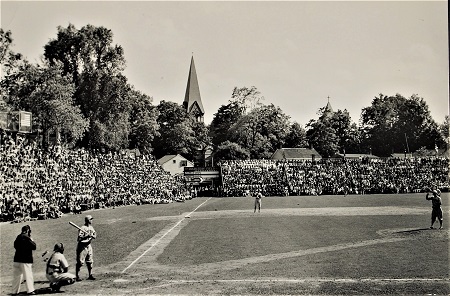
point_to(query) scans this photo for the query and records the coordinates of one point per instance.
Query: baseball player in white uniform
(84, 249)
(57, 269)
(258, 198)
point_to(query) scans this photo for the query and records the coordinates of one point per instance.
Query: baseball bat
(78, 227)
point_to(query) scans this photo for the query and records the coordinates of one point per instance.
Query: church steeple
(192, 100)
(328, 110)
(328, 106)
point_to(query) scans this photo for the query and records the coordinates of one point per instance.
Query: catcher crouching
(57, 269)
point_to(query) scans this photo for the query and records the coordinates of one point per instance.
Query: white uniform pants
(64, 277)
(257, 204)
(22, 270)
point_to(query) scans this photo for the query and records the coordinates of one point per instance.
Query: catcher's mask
(59, 247)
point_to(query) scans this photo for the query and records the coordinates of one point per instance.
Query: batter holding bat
(86, 234)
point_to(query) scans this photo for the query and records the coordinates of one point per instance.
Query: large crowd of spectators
(334, 176)
(241, 177)
(40, 184)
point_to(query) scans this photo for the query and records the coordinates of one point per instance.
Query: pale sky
(296, 53)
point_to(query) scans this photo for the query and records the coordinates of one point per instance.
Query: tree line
(79, 94)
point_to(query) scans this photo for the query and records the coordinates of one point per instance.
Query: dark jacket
(24, 249)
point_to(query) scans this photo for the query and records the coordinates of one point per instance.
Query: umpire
(23, 261)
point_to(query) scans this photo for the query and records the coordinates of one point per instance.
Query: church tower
(192, 100)
(328, 110)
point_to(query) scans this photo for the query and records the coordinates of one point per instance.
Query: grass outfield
(326, 245)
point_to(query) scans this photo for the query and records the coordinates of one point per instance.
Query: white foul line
(298, 281)
(155, 243)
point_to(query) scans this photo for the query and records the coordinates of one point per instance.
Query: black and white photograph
(224, 147)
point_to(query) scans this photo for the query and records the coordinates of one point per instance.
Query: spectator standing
(23, 261)
(84, 249)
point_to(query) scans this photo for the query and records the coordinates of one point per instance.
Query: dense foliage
(79, 95)
(397, 124)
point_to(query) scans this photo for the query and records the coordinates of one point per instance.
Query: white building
(174, 164)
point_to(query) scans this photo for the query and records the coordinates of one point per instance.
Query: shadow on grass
(414, 230)
(40, 291)
(45, 290)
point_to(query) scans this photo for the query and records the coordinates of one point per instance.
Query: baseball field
(307, 245)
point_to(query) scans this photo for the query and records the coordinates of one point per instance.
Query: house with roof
(296, 154)
(174, 164)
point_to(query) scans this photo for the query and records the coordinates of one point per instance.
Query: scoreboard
(16, 121)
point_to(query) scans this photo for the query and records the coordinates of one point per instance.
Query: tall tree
(223, 120)
(85, 50)
(296, 137)
(10, 71)
(106, 100)
(334, 132)
(201, 140)
(261, 131)
(95, 66)
(322, 137)
(5, 44)
(66, 48)
(444, 128)
(247, 98)
(52, 105)
(143, 121)
(354, 140)
(242, 101)
(175, 131)
(348, 134)
(230, 151)
(399, 124)
(42, 90)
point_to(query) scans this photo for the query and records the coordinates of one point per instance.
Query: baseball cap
(88, 217)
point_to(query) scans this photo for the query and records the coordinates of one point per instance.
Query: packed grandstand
(334, 176)
(41, 184)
